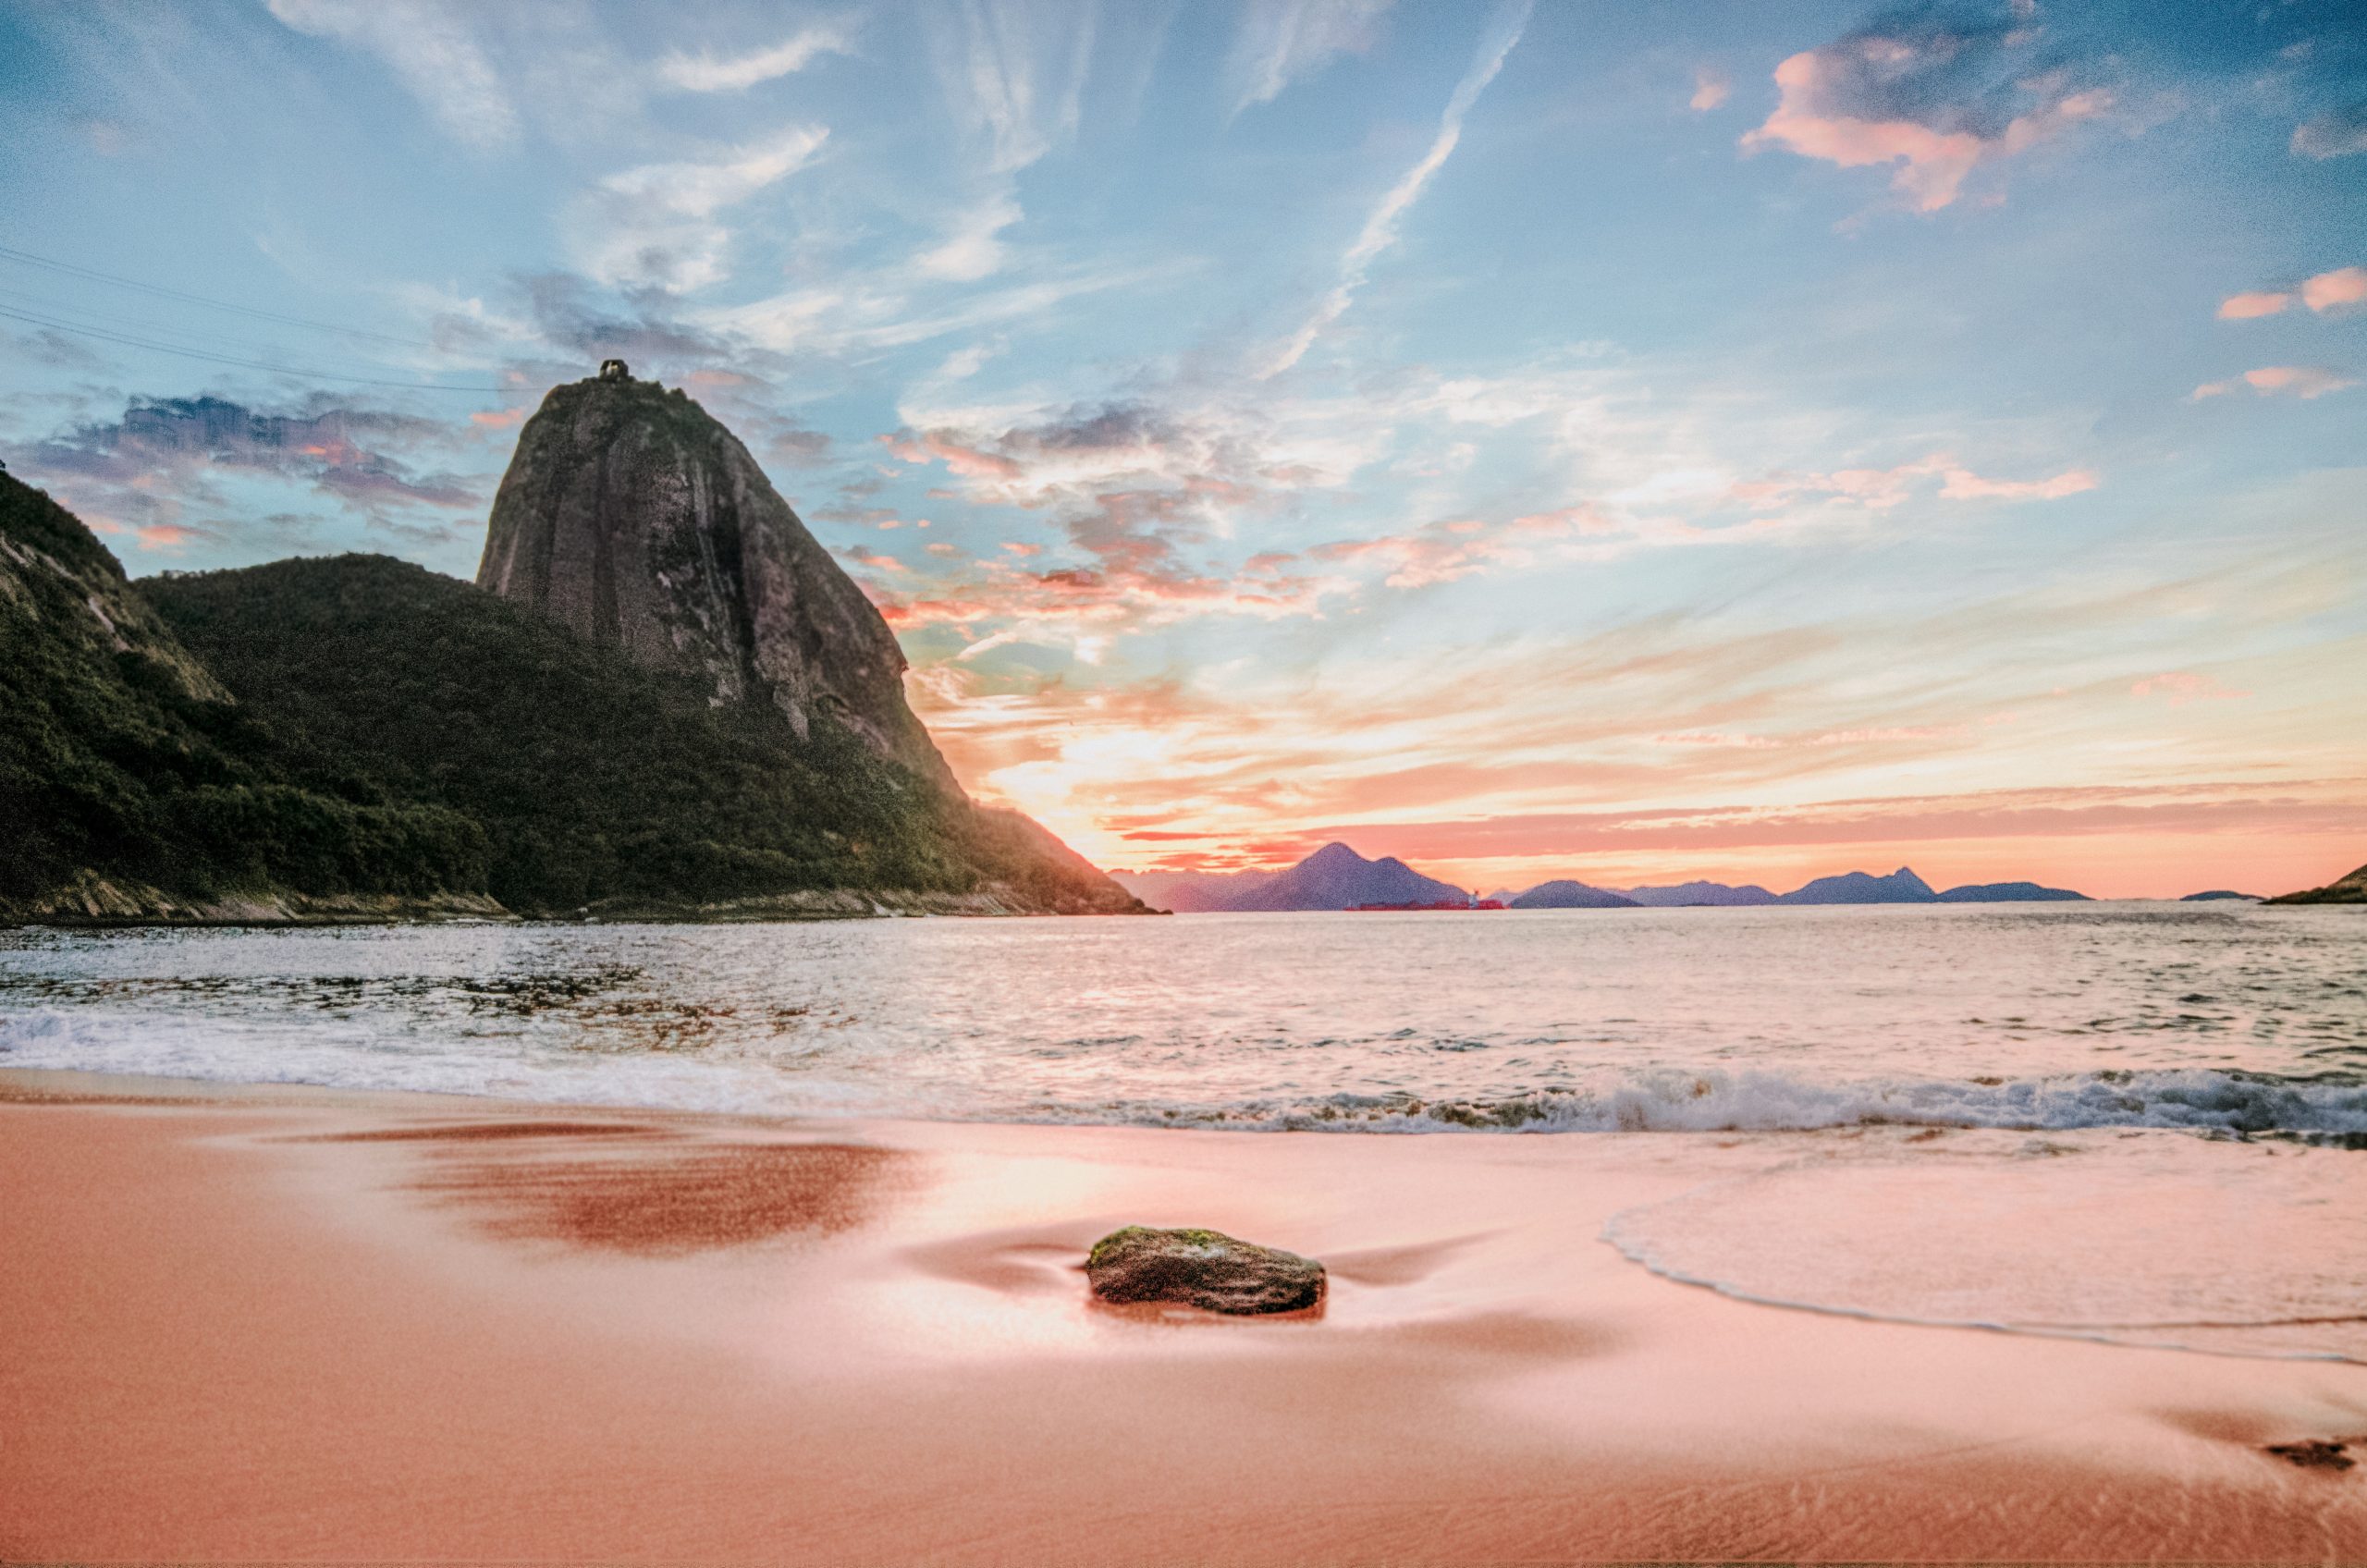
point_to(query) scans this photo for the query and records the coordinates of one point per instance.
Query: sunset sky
(1624, 441)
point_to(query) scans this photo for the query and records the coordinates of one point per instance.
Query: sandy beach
(302, 1325)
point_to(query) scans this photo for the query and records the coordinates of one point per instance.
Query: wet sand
(299, 1324)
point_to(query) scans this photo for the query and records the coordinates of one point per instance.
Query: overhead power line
(27, 258)
(130, 340)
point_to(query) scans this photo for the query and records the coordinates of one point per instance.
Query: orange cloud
(498, 419)
(163, 536)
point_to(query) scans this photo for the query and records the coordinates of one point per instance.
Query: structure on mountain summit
(632, 515)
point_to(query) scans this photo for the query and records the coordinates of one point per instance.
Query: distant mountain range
(1686, 894)
(1336, 876)
(1571, 895)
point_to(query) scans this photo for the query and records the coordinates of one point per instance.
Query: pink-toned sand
(294, 1325)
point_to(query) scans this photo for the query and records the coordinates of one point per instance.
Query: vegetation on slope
(120, 756)
(596, 782)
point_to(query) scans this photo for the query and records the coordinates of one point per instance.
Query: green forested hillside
(595, 780)
(359, 725)
(122, 758)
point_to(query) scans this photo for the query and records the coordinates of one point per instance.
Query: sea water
(2220, 1017)
(2130, 1122)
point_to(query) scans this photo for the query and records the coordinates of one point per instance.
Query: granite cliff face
(630, 515)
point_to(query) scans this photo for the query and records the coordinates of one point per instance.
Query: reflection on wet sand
(649, 1190)
(675, 1199)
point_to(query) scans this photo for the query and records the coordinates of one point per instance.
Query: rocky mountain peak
(632, 515)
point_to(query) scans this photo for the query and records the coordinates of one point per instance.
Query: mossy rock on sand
(1202, 1269)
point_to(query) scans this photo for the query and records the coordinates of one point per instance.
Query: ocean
(2214, 1017)
(2139, 1121)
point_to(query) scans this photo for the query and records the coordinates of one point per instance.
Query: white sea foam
(1670, 1101)
(347, 1054)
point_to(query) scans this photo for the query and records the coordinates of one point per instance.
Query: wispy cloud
(2182, 687)
(1281, 41)
(972, 248)
(431, 50)
(1380, 231)
(705, 72)
(655, 224)
(2279, 381)
(1881, 489)
(1014, 72)
(2338, 133)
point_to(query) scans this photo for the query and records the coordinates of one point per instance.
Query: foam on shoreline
(2330, 1106)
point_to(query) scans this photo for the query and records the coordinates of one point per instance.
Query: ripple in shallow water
(2242, 1248)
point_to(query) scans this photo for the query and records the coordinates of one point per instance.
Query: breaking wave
(1674, 1102)
(2329, 1107)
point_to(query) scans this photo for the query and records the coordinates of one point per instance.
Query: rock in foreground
(1203, 1268)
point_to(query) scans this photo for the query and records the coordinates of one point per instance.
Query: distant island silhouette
(1336, 877)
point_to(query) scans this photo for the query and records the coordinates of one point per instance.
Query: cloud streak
(656, 224)
(1380, 231)
(706, 73)
(2304, 382)
(1281, 41)
(430, 49)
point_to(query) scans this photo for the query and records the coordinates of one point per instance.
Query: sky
(1624, 441)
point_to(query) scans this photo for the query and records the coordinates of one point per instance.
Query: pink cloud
(498, 419)
(1710, 88)
(1441, 553)
(2329, 290)
(2248, 307)
(2326, 291)
(2272, 381)
(1879, 489)
(2182, 687)
(936, 446)
(1821, 87)
(1965, 485)
(163, 536)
